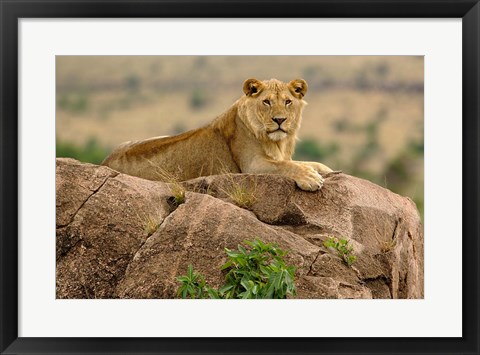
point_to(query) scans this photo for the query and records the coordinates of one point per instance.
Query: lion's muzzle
(279, 120)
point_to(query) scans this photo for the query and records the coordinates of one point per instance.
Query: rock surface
(122, 237)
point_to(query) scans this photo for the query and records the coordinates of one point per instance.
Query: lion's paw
(319, 167)
(309, 179)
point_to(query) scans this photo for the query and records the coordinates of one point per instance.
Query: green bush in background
(90, 152)
(399, 176)
(74, 102)
(198, 99)
(311, 150)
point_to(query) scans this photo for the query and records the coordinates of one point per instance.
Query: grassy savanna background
(365, 113)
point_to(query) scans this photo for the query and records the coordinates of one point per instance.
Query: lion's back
(189, 155)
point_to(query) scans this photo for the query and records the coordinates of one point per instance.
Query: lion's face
(273, 108)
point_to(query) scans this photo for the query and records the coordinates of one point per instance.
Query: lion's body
(255, 135)
(154, 159)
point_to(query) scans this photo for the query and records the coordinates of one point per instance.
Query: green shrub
(76, 102)
(90, 152)
(311, 150)
(198, 99)
(132, 83)
(256, 273)
(382, 70)
(193, 284)
(343, 248)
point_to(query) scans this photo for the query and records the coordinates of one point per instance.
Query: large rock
(123, 237)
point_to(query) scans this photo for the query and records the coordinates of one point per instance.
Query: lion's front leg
(306, 177)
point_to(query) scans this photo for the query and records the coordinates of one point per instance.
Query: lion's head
(272, 109)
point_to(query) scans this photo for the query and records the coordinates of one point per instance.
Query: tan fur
(246, 138)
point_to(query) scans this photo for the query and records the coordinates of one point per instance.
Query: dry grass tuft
(151, 225)
(243, 192)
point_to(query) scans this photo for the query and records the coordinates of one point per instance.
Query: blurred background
(365, 113)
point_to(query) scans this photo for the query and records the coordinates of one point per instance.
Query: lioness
(255, 135)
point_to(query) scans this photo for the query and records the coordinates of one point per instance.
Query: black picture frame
(12, 11)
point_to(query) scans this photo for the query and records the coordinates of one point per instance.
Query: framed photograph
(364, 116)
(162, 104)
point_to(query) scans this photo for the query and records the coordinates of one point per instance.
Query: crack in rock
(86, 200)
(148, 237)
(395, 229)
(309, 273)
(386, 280)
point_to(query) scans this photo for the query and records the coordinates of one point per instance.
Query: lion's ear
(252, 87)
(298, 88)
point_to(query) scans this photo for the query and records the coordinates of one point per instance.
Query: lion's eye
(266, 102)
(288, 102)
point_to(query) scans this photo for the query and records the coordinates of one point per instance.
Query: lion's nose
(279, 120)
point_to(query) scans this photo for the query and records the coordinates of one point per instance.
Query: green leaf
(226, 265)
(242, 250)
(270, 291)
(225, 288)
